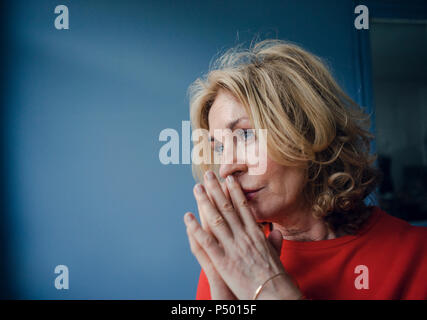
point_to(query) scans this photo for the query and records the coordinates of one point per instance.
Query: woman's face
(271, 195)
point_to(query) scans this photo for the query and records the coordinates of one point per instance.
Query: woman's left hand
(236, 246)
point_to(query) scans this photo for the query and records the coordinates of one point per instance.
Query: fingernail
(199, 188)
(188, 217)
(230, 179)
(210, 175)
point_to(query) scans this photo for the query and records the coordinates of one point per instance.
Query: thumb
(276, 239)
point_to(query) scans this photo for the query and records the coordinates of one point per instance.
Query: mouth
(251, 193)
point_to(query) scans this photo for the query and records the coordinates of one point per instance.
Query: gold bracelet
(259, 289)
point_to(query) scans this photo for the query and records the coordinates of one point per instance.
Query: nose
(236, 167)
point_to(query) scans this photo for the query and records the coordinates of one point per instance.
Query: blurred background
(82, 109)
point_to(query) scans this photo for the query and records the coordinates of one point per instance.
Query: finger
(205, 240)
(213, 218)
(240, 202)
(201, 255)
(205, 225)
(225, 190)
(227, 195)
(224, 206)
(276, 240)
(203, 221)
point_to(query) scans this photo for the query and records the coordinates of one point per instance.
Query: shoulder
(389, 222)
(394, 231)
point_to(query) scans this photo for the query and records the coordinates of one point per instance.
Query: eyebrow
(231, 125)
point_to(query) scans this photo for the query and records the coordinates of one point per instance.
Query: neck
(303, 226)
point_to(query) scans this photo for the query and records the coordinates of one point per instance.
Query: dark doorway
(399, 69)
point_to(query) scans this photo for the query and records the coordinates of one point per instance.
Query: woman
(319, 240)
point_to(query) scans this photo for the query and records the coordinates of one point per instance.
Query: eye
(246, 134)
(218, 147)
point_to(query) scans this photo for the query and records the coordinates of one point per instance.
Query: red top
(386, 259)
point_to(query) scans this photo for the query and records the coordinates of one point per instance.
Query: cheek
(283, 189)
(285, 184)
(256, 156)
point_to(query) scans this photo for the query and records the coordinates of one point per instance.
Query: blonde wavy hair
(311, 123)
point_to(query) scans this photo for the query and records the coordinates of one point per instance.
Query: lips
(251, 193)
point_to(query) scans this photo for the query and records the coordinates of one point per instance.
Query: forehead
(224, 110)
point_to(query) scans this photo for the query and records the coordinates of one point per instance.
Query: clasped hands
(237, 258)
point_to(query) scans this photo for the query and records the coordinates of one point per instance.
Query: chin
(260, 215)
(263, 213)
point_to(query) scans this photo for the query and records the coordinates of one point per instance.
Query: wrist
(281, 287)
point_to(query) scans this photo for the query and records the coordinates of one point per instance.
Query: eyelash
(245, 132)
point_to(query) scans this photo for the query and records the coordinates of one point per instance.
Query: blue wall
(82, 115)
